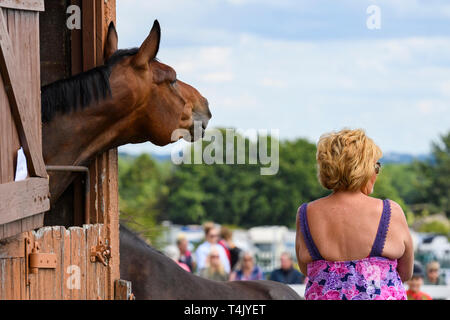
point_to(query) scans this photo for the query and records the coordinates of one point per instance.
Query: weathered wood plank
(122, 290)
(112, 219)
(23, 225)
(31, 280)
(103, 270)
(7, 280)
(2, 278)
(91, 269)
(109, 209)
(75, 243)
(89, 31)
(96, 272)
(48, 276)
(16, 277)
(22, 199)
(13, 247)
(83, 261)
(6, 163)
(99, 32)
(32, 5)
(57, 235)
(18, 102)
(66, 261)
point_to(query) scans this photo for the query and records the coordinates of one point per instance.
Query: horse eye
(173, 82)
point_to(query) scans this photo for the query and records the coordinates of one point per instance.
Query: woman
(172, 253)
(227, 242)
(248, 270)
(350, 245)
(185, 255)
(214, 269)
(434, 276)
(211, 240)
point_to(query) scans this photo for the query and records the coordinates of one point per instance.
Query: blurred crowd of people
(432, 276)
(218, 258)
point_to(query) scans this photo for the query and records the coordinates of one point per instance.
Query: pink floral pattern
(373, 278)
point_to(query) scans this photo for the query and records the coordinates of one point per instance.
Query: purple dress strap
(378, 245)
(313, 251)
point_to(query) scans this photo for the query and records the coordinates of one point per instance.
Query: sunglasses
(377, 167)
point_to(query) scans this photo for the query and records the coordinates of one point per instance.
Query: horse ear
(149, 49)
(111, 41)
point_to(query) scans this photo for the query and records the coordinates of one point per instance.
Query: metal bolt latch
(100, 253)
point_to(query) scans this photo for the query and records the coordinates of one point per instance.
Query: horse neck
(74, 139)
(148, 269)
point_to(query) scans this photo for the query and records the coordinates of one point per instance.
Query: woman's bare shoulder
(397, 214)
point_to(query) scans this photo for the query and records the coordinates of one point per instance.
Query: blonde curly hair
(346, 160)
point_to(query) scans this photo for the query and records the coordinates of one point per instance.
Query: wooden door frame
(87, 53)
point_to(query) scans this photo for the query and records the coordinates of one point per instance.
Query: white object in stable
(21, 169)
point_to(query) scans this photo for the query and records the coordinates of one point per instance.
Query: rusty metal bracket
(100, 253)
(35, 260)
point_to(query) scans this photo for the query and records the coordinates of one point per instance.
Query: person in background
(415, 284)
(172, 253)
(348, 234)
(185, 255)
(214, 269)
(248, 270)
(211, 239)
(227, 242)
(286, 274)
(433, 274)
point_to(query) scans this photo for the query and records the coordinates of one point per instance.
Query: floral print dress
(372, 278)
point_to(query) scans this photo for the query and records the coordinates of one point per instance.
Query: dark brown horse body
(134, 98)
(155, 276)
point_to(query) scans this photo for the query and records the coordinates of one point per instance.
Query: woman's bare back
(344, 227)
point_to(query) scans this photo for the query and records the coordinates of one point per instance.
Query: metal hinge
(36, 260)
(100, 253)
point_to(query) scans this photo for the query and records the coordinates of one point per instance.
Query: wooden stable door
(22, 203)
(52, 262)
(56, 264)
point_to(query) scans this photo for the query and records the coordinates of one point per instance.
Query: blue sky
(307, 67)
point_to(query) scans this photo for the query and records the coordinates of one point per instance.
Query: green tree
(238, 194)
(385, 188)
(141, 185)
(439, 190)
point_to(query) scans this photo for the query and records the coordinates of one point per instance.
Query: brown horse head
(159, 103)
(132, 98)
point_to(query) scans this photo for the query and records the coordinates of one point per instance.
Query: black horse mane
(77, 92)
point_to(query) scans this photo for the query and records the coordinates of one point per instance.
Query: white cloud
(214, 56)
(273, 83)
(445, 88)
(434, 106)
